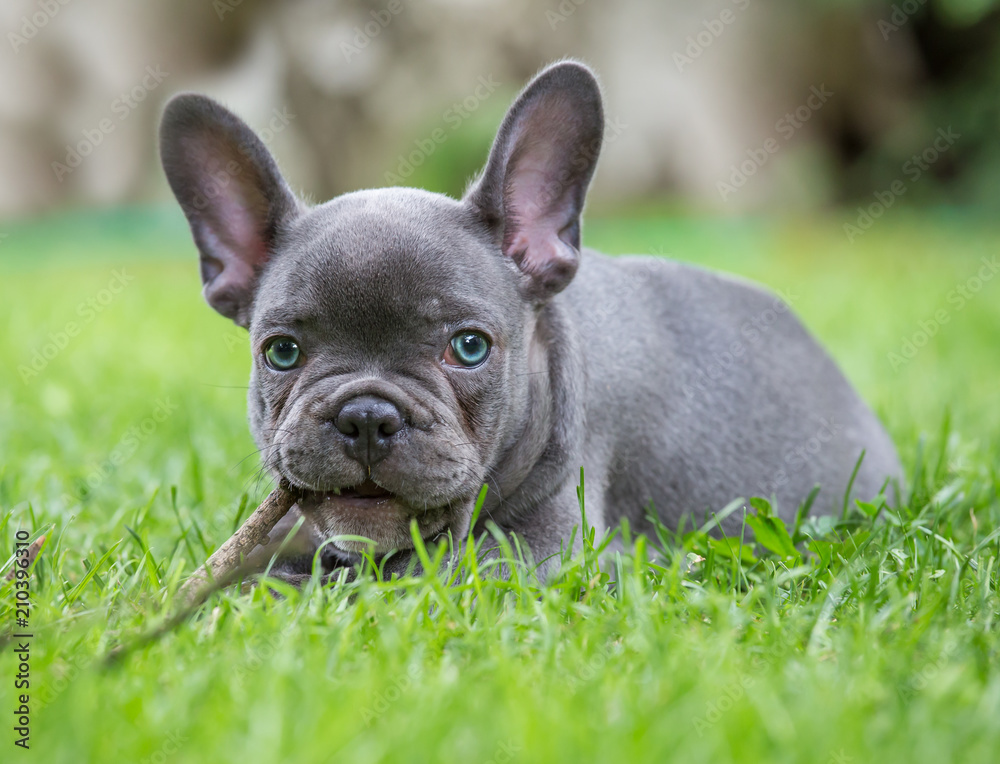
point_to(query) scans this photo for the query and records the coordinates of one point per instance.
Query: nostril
(389, 427)
(347, 426)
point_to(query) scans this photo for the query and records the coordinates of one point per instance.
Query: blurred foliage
(457, 154)
(958, 86)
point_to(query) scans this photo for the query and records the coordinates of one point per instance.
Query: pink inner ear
(231, 207)
(239, 249)
(540, 192)
(543, 255)
(237, 225)
(228, 225)
(534, 221)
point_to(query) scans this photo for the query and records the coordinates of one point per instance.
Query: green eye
(282, 353)
(470, 348)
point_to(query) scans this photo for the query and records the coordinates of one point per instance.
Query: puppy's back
(704, 387)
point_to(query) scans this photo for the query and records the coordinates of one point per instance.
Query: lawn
(124, 439)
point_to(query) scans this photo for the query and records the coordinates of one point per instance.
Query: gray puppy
(409, 347)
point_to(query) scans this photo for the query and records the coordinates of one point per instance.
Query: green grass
(874, 640)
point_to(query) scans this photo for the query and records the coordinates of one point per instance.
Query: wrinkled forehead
(377, 261)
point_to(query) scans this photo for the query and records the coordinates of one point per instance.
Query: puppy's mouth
(353, 516)
(366, 494)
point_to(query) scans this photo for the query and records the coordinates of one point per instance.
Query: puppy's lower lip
(368, 492)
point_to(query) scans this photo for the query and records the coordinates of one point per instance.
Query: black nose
(368, 425)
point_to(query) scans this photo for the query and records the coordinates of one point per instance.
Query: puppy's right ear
(232, 194)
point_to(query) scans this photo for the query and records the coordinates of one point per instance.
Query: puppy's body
(728, 377)
(409, 347)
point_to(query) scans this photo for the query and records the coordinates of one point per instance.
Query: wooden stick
(220, 569)
(226, 560)
(33, 551)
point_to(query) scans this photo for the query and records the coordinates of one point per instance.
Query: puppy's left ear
(232, 193)
(536, 177)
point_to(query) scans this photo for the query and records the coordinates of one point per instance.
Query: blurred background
(727, 106)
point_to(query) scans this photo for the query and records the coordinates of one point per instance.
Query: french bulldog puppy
(409, 347)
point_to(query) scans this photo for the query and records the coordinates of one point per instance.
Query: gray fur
(669, 384)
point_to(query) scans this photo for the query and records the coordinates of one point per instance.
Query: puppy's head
(392, 330)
